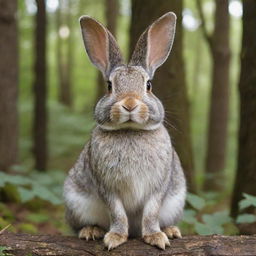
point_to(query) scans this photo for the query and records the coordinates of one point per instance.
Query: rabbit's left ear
(154, 45)
(100, 45)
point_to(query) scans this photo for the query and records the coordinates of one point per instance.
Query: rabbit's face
(129, 103)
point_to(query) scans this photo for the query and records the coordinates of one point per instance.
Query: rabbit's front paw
(91, 233)
(172, 232)
(158, 239)
(112, 240)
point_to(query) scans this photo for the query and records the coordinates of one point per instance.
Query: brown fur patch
(115, 113)
(129, 103)
(143, 111)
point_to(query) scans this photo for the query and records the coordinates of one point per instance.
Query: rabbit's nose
(129, 108)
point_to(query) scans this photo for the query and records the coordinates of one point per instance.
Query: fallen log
(42, 245)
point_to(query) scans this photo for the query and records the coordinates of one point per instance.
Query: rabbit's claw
(91, 233)
(112, 240)
(158, 239)
(172, 232)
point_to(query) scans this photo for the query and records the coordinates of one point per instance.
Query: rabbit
(128, 180)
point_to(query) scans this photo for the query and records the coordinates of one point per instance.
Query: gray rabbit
(128, 179)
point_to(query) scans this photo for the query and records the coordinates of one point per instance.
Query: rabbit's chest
(131, 168)
(131, 178)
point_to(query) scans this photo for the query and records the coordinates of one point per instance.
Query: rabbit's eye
(109, 86)
(149, 85)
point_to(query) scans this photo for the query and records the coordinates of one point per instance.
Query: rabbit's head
(129, 102)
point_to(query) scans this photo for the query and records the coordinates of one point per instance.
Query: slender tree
(169, 82)
(64, 52)
(246, 166)
(111, 15)
(218, 43)
(8, 84)
(40, 89)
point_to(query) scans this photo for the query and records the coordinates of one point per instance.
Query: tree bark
(64, 53)
(246, 166)
(23, 245)
(219, 101)
(169, 83)
(111, 15)
(8, 84)
(40, 89)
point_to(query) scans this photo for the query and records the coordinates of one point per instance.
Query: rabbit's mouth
(129, 125)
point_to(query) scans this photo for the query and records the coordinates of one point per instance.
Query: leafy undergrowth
(32, 203)
(201, 217)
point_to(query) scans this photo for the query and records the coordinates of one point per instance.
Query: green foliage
(3, 249)
(37, 217)
(27, 228)
(212, 223)
(195, 201)
(246, 218)
(36, 186)
(5, 212)
(248, 200)
(195, 220)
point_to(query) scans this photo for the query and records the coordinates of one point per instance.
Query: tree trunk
(246, 165)
(64, 54)
(40, 89)
(218, 113)
(70, 54)
(24, 245)
(111, 15)
(8, 85)
(169, 82)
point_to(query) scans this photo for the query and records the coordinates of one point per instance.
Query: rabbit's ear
(100, 45)
(154, 45)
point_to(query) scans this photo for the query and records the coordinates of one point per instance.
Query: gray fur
(128, 178)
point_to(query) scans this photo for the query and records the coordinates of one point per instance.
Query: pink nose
(129, 108)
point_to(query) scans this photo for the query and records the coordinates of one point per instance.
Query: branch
(42, 245)
(206, 35)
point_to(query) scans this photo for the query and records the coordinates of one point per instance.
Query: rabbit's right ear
(155, 44)
(100, 45)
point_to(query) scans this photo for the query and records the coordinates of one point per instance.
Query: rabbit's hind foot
(158, 239)
(112, 240)
(172, 232)
(91, 233)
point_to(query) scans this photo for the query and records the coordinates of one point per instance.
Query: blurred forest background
(48, 89)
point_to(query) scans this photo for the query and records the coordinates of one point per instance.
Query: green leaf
(42, 191)
(206, 229)
(45, 194)
(217, 218)
(248, 200)
(195, 201)
(189, 216)
(37, 217)
(13, 179)
(25, 194)
(4, 248)
(246, 218)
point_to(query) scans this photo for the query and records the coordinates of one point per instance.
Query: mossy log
(42, 245)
